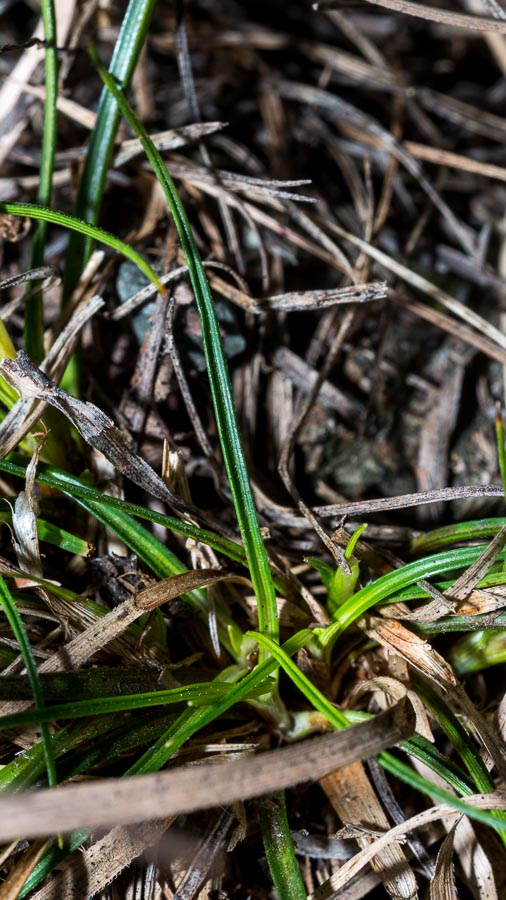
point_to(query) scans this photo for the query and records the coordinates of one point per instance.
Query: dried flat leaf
(170, 139)
(331, 889)
(94, 426)
(442, 885)
(303, 301)
(24, 522)
(170, 588)
(354, 799)
(90, 872)
(124, 801)
(446, 17)
(422, 656)
(10, 888)
(396, 690)
(413, 649)
(21, 418)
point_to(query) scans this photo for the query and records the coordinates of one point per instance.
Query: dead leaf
(137, 799)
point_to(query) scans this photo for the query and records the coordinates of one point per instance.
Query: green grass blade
(279, 850)
(310, 691)
(384, 587)
(34, 326)
(32, 211)
(51, 858)
(499, 432)
(461, 740)
(58, 537)
(18, 628)
(193, 721)
(339, 720)
(164, 563)
(458, 735)
(200, 694)
(76, 489)
(126, 53)
(453, 534)
(412, 778)
(217, 370)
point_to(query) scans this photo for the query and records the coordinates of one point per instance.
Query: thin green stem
(219, 380)
(129, 43)
(195, 694)
(279, 849)
(18, 628)
(499, 431)
(32, 211)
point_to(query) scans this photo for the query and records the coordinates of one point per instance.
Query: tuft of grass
(138, 732)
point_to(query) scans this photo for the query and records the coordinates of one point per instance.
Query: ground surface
(343, 170)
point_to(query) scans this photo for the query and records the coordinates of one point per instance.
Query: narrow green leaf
(192, 721)
(499, 431)
(219, 379)
(279, 849)
(18, 628)
(129, 43)
(199, 694)
(454, 534)
(32, 211)
(412, 778)
(383, 588)
(76, 489)
(58, 537)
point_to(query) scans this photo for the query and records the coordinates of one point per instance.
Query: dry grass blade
(303, 301)
(370, 129)
(304, 378)
(353, 798)
(109, 627)
(445, 17)
(442, 886)
(21, 418)
(462, 587)
(330, 890)
(170, 793)
(363, 508)
(455, 161)
(431, 665)
(40, 274)
(95, 426)
(91, 872)
(10, 888)
(431, 290)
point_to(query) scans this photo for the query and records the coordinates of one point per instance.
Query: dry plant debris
(189, 601)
